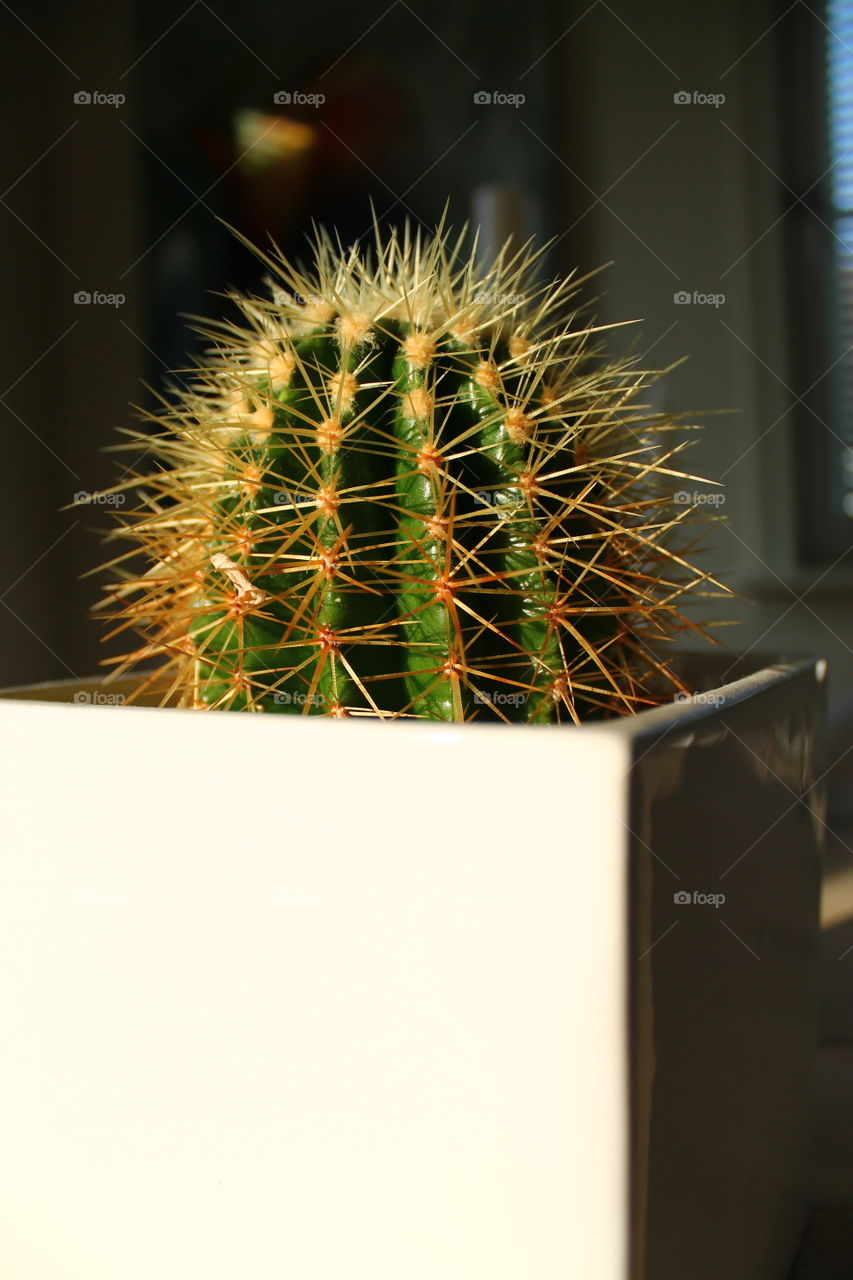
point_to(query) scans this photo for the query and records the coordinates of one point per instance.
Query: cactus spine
(402, 487)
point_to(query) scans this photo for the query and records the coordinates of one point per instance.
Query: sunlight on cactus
(405, 486)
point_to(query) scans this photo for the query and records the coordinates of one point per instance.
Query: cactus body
(403, 487)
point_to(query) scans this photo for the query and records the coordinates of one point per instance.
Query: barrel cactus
(400, 485)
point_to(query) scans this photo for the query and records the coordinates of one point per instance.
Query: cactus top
(402, 486)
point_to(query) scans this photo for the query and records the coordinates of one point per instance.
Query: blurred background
(705, 154)
(705, 151)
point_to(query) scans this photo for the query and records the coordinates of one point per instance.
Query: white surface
(293, 998)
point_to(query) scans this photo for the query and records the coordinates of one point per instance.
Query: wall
(67, 223)
(685, 197)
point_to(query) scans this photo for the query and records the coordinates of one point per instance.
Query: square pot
(286, 996)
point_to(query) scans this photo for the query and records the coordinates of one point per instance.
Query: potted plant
(510, 969)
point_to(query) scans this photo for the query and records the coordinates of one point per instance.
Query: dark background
(127, 199)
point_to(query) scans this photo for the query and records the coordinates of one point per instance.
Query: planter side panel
(726, 888)
(285, 997)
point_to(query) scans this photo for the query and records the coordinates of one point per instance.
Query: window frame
(822, 534)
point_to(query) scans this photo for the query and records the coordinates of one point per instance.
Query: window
(816, 146)
(839, 64)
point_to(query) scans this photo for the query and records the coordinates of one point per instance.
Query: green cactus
(401, 486)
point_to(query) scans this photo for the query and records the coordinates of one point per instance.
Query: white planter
(290, 997)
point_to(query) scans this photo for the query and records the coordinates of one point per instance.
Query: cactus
(403, 486)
